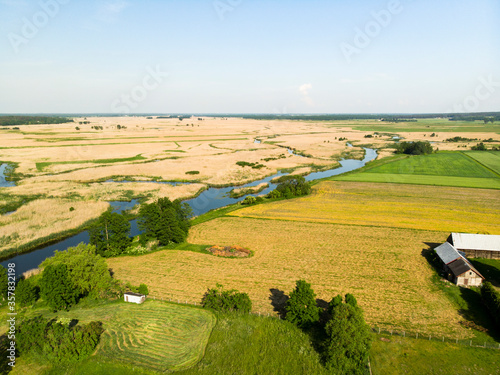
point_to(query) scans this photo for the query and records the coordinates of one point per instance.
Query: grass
(154, 336)
(247, 344)
(490, 159)
(41, 166)
(441, 169)
(402, 355)
(427, 126)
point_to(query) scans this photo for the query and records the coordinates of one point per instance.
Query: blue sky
(243, 56)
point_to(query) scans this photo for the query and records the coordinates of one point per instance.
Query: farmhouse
(456, 266)
(476, 245)
(134, 297)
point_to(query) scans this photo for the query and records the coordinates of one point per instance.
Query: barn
(134, 297)
(456, 266)
(476, 245)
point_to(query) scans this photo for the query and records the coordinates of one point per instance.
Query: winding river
(209, 199)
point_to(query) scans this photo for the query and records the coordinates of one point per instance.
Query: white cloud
(304, 90)
(109, 10)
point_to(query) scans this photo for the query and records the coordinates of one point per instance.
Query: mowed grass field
(469, 169)
(155, 335)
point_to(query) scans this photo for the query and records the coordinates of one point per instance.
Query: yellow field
(443, 209)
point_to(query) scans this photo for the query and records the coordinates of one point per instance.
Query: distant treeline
(484, 116)
(32, 120)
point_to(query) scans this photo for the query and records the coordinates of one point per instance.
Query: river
(209, 199)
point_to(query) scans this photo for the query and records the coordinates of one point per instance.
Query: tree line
(32, 120)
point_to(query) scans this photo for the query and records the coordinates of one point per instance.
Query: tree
(479, 147)
(347, 345)
(110, 234)
(293, 186)
(3, 283)
(26, 292)
(164, 221)
(301, 308)
(57, 288)
(414, 148)
(87, 271)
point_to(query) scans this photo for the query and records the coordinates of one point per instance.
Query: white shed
(134, 297)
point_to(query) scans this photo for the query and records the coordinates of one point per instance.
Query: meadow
(154, 336)
(462, 169)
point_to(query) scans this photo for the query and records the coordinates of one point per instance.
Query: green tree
(164, 221)
(110, 234)
(3, 283)
(143, 289)
(347, 345)
(26, 292)
(301, 308)
(56, 287)
(414, 148)
(87, 270)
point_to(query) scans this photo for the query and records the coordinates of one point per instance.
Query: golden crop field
(445, 209)
(382, 267)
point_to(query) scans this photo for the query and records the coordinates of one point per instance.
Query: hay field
(156, 336)
(383, 267)
(443, 209)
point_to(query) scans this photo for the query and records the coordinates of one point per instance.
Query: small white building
(134, 297)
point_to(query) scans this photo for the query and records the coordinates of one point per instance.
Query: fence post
(417, 335)
(485, 344)
(457, 341)
(429, 337)
(404, 335)
(391, 332)
(470, 343)
(379, 330)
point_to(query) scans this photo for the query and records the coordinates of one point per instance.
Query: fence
(377, 330)
(430, 337)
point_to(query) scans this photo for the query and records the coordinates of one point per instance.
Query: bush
(249, 200)
(479, 147)
(414, 148)
(226, 300)
(193, 172)
(301, 308)
(56, 341)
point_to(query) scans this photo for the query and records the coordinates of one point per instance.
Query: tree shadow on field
(278, 301)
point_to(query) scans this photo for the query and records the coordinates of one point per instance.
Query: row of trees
(163, 221)
(345, 340)
(290, 186)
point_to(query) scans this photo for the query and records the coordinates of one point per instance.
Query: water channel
(209, 199)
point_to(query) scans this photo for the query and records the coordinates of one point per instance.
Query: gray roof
(470, 241)
(459, 266)
(447, 253)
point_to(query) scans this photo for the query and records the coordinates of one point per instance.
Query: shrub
(193, 172)
(301, 308)
(479, 147)
(293, 186)
(56, 341)
(249, 200)
(226, 300)
(71, 209)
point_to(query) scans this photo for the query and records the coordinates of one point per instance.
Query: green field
(490, 159)
(155, 335)
(426, 125)
(442, 169)
(402, 355)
